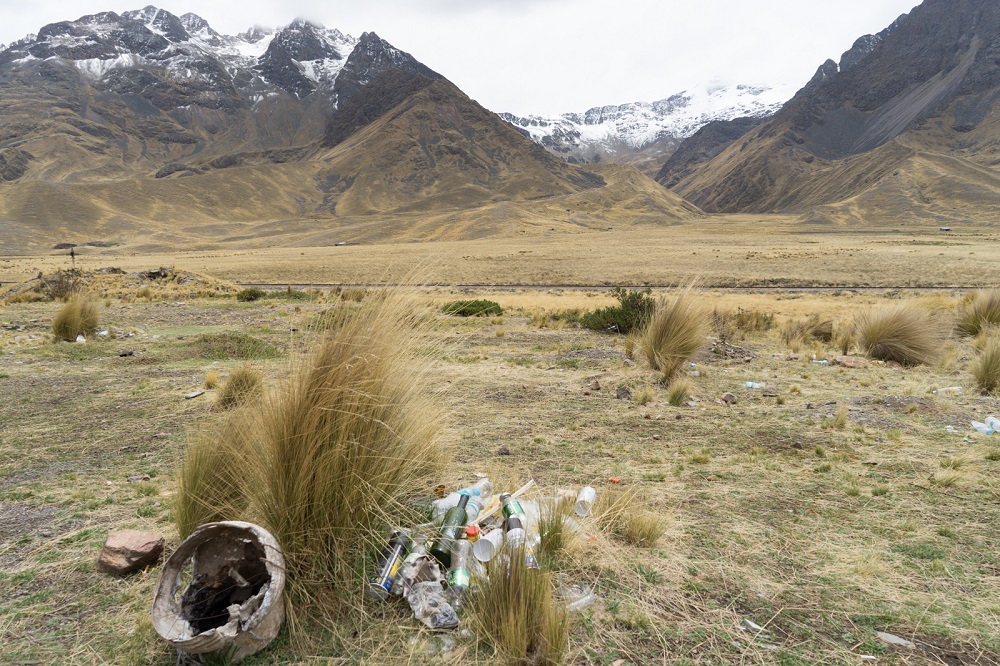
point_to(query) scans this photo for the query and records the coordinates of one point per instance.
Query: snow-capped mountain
(190, 63)
(620, 132)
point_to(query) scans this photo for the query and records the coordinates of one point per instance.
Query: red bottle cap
(472, 533)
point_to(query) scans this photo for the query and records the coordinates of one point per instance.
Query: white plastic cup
(488, 545)
(584, 500)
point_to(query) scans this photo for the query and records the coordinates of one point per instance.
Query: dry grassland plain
(826, 506)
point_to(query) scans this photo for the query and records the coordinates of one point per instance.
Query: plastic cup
(488, 545)
(584, 500)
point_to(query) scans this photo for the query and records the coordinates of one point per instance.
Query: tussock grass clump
(244, 385)
(211, 379)
(813, 327)
(327, 462)
(980, 311)
(553, 530)
(675, 332)
(515, 611)
(729, 325)
(473, 308)
(679, 391)
(78, 316)
(622, 514)
(986, 367)
(644, 395)
(901, 332)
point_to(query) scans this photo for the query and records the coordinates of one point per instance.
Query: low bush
(78, 316)
(633, 311)
(675, 333)
(250, 294)
(986, 367)
(680, 391)
(901, 332)
(232, 345)
(476, 308)
(981, 311)
(729, 325)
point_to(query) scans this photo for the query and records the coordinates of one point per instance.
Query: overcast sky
(549, 56)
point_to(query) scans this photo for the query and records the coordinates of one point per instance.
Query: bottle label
(512, 508)
(459, 578)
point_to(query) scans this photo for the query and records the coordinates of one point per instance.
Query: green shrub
(902, 332)
(77, 317)
(981, 311)
(477, 308)
(221, 346)
(674, 334)
(633, 311)
(250, 294)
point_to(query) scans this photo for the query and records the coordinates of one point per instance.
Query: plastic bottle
(451, 528)
(948, 390)
(991, 426)
(459, 575)
(388, 565)
(480, 489)
(516, 537)
(755, 385)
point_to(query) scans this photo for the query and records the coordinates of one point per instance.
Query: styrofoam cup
(584, 500)
(488, 545)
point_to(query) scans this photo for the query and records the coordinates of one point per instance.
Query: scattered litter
(614, 479)
(233, 605)
(102, 333)
(108, 483)
(824, 362)
(193, 394)
(948, 390)
(895, 640)
(950, 429)
(80, 338)
(584, 501)
(991, 426)
(138, 477)
(755, 385)
(577, 597)
(750, 625)
(869, 658)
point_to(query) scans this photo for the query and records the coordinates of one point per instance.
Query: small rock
(586, 392)
(656, 437)
(80, 338)
(137, 478)
(503, 451)
(193, 394)
(729, 398)
(851, 361)
(595, 385)
(895, 640)
(127, 353)
(797, 445)
(870, 462)
(794, 357)
(623, 393)
(126, 551)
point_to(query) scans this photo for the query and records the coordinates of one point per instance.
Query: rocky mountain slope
(153, 125)
(646, 133)
(877, 135)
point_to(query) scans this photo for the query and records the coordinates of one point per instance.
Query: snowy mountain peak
(612, 133)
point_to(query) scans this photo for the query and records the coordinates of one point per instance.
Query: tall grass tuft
(553, 530)
(244, 385)
(515, 611)
(680, 391)
(986, 367)
(622, 513)
(981, 311)
(901, 332)
(812, 327)
(675, 332)
(78, 316)
(327, 462)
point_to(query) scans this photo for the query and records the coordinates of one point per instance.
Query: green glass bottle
(451, 528)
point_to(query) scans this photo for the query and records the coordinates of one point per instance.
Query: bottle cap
(472, 533)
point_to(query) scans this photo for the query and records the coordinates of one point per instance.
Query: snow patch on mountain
(606, 130)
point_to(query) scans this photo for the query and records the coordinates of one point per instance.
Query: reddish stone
(126, 551)
(852, 361)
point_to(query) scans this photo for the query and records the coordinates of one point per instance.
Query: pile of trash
(433, 565)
